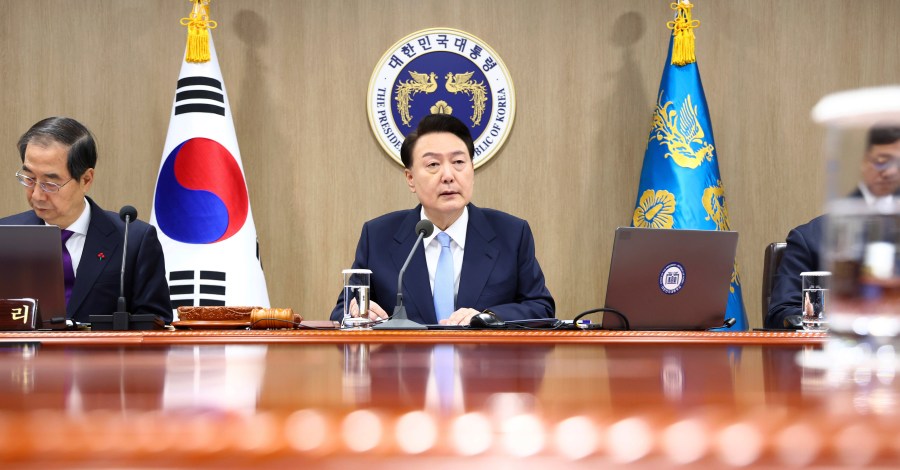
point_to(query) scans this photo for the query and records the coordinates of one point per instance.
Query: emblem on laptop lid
(671, 278)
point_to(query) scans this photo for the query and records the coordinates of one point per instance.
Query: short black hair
(68, 132)
(883, 135)
(431, 124)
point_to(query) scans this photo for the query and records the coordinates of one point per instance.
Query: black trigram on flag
(199, 95)
(186, 289)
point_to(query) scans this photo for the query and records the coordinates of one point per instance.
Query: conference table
(524, 399)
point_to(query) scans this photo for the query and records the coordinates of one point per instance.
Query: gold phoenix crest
(455, 83)
(447, 71)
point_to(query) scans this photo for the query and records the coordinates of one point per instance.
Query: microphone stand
(121, 320)
(399, 320)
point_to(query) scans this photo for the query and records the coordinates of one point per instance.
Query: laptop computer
(666, 279)
(31, 260)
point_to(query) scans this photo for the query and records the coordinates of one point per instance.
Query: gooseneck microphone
(424, 229)
(127, 214)
(121, 320)
(399, 320)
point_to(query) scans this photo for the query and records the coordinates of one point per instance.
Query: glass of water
(815, 300)
(356, 298)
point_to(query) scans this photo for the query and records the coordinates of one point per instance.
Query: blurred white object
(863, 107)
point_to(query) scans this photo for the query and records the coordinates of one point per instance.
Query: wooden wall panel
(586, 75)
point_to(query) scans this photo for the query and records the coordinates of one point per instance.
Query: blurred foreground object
(861, 243)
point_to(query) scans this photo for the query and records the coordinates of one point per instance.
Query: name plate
(18, 314)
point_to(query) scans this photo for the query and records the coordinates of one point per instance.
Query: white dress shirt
(457, 233)
(883, 204)
(79, 228)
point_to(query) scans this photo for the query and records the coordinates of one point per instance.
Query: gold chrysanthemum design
(655, 209)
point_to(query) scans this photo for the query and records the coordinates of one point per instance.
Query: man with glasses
(58, 158)
(880, 187)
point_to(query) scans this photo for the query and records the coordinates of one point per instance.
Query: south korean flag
(201, 205)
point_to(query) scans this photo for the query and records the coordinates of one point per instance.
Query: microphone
(121, 320)
(399, 320)
(127, 214)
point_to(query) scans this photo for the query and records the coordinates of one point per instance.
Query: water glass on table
(815, 300)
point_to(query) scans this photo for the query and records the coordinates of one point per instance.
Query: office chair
(771, 260)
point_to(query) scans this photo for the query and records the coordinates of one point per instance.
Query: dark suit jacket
(801, 254)
(96, 289)
(499, 269)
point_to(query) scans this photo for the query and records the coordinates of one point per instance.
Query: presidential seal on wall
(446, 71)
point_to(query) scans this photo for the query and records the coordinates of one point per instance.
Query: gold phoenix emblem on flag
(680, 132)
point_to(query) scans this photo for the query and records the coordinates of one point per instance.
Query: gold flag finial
(683, 31)
(198, 24)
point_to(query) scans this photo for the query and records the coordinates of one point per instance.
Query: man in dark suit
(880, 187)
(476, 259)
(58, 158)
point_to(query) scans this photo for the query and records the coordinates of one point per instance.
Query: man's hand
(375, 311)
(460, 317)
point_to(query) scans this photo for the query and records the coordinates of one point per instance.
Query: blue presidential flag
(680, 185)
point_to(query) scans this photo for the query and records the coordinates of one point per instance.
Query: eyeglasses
(882, 164)
(29, 182)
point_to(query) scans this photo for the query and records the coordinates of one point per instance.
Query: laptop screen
(31, 261)
(663, 279)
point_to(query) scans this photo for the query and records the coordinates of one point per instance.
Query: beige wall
(586, 76)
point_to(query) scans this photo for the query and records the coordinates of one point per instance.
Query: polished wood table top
(387, 399)
(325, 332)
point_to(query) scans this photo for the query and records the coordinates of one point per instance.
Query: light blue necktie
(444, 280)
(445, 375)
